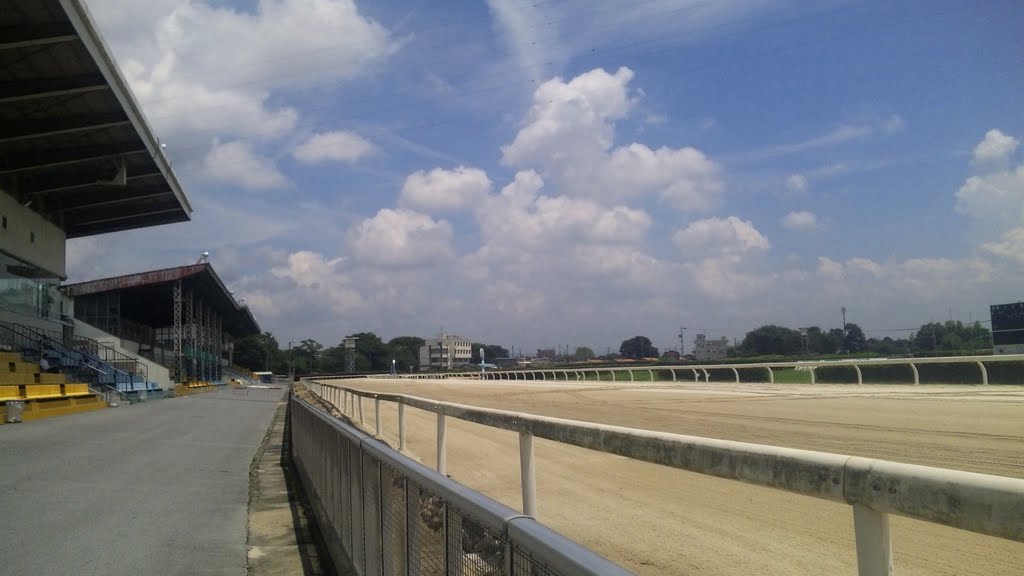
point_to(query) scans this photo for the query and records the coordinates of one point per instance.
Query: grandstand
(77, 158)
(181, 322)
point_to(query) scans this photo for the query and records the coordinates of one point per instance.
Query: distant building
(705, 350)
(1007, 328)
(445, 352)
(670, 355)
(546, 353)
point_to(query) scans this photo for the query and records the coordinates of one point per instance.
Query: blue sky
(577, 172)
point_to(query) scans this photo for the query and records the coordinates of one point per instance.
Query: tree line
(372, 354)
(934, 337)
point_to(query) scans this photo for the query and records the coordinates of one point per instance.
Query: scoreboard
(1007, 324)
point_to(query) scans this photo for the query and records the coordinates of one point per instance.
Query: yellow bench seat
(42, 390)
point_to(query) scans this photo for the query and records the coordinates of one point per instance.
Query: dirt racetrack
(657, 520)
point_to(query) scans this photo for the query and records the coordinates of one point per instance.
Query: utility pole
(843, 346)
(682, 341)
(291, 368)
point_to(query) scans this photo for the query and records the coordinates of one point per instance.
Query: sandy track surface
(657, 520)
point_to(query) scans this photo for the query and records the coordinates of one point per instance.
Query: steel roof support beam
(34, 129)
(132, 196)
(45, 159)
(128, 217)
(26, 90)
(71, 183)
(40, 35)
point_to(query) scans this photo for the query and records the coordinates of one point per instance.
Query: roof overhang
(149, 294)
(74, 144)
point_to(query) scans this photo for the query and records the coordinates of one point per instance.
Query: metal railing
(702, 372)
(130, 369)
(35, 347)
(389, 514)
(986, 504)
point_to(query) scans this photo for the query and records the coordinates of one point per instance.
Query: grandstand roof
(74, 145)
(147, 297)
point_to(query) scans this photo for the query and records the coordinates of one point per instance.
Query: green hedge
(1005, 372)
(951, 373)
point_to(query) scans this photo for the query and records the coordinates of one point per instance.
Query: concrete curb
(282, 534)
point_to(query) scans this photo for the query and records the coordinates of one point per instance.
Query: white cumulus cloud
(445, 190)
(720, 236)
(204, 70)
(796, 183)
(800, 221)
(401, 238)
(569, 137)
(339, 146)
(995, 149)
(236, 163)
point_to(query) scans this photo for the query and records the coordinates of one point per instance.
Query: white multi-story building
(709, 350)
(445, 352)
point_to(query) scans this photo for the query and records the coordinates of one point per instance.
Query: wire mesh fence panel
(426, 532)
(394, 519)
(357, 550)
(473, 550)
(334, 510)
(524, 564)
(345, 477)
(343, 519)
(372, 515)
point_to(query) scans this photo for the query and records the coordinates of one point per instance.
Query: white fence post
(874, 545)
(442, 445)
(917, 377)
(376, 415)
(361, 421)
(860, 377)
(771, 375)
(736, 373)
(984, 373)
(401, 427)
(528, 474)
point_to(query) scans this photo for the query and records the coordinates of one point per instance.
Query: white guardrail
(698, 370)
(986, 504)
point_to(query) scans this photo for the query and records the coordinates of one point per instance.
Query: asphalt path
(154, 488)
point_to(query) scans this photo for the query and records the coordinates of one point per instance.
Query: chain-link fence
(391, 516)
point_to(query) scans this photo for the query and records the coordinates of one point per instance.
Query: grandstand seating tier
(46, 378)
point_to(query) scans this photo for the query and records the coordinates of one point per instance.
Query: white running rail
(986, 504)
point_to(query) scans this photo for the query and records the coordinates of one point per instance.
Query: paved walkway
(154, 488)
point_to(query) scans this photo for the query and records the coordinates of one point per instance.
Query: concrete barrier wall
(387, 514)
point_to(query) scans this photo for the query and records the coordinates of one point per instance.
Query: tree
(371, 353)
(260, 352)
(584, 353)
(332, 360)
(306, 354)
(637, 348)
(491, 352)
(951, 336)
(772, 340)
(405, 350)
(855, 340)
